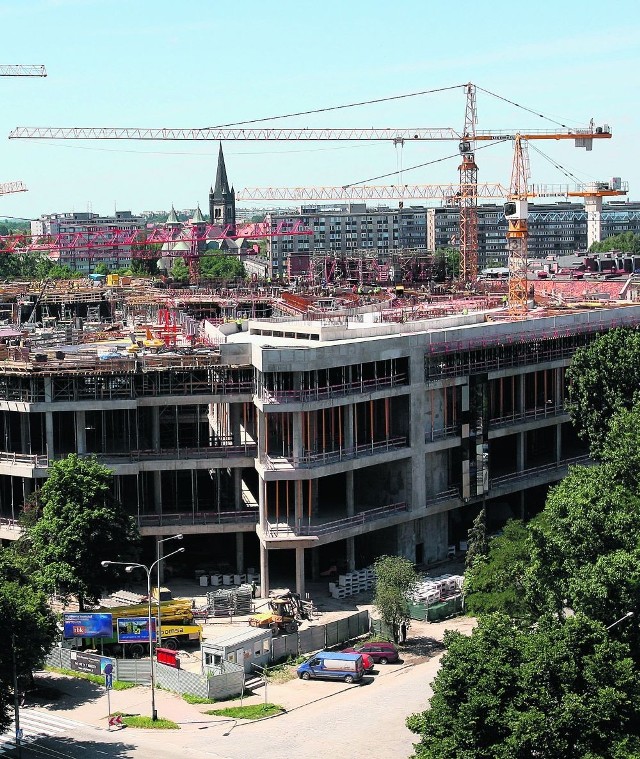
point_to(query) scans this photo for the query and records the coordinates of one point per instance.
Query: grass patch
(97, 679)
(286, 671)
(146, 723)
(190, 699)
(258, 711)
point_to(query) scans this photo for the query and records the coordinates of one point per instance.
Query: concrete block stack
(352, 583)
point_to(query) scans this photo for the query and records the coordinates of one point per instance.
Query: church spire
(222, 200)
(221, 189)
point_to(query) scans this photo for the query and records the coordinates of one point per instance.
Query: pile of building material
(125, 598)
(437, 598)
(230, 602)
(352, 583)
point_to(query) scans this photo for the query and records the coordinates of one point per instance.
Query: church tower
(222, 200)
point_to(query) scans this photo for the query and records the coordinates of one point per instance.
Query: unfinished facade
(294, 446)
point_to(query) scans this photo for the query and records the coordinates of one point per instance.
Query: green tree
(495, 584)
(478, 543)
(101, 268)
(396, 581)
(584, 552)
(559, 690)
(621, 447)
(221, 266)
(627, 242)
(447, 263)
(180, 271)
(27, 628)
(81, 524)
(603, 378)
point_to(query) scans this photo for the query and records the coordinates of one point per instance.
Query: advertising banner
(92, 664)
(89, 625)
(135, 629)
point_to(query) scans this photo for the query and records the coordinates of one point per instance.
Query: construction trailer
(245, 647)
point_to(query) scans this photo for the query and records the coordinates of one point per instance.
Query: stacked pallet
(435, 589)
(230, 602)
(352, 583)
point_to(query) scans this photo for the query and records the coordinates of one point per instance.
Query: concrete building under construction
(295, 443)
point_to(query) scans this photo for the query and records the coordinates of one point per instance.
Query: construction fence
(228, 679)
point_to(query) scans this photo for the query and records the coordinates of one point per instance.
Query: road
(342, 722)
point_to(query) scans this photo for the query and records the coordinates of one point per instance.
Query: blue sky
(152, 63)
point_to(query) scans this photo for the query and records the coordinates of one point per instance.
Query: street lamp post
(158, 542)
(129, 567)
(622, 619)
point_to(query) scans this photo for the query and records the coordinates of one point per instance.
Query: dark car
(381, 651)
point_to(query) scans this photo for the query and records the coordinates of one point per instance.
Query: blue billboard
(135, 629)
(88, 625)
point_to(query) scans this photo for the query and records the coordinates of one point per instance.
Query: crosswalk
(35, 725)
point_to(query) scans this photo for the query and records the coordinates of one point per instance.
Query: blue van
(332, 665)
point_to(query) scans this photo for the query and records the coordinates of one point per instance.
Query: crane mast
(469, 193)
(516, 212)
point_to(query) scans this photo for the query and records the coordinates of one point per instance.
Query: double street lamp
(129, 566)
(158, 542)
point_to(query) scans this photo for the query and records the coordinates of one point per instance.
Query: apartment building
(555, 229)
(298, 445)
(345, 227)
(76, 228)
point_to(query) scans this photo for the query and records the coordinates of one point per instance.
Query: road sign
(108, 681)
(93, 664)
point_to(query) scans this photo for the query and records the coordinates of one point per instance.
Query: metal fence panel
(181, 681)
(331, 634)
(278, 649)
(343, 630)
(226, 683)
(59, 658)
(311, 639)
(133, 671)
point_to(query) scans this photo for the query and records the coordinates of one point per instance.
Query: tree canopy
(563, 689)
(27, 628)
(627, 242)
(396, 580)
(179, 270)
(219, 265)
(604, 377)
(80, 525)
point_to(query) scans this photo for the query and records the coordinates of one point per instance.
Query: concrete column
(234, 421)
(350, 494)
(25, 434)
(436, 537)
(521, 451)
(351, 554)
(315, 564)
(520, 400)
(157, 492)
(48, 425)
(593, 208)
(264, 572)
(262, 504)
(297, 442)
(155, 428)
(159, 554)
(300, 572)
(237, 489)
(347, 413)
(406, 541)
(81, 433)
(240, 552)
(298, 501)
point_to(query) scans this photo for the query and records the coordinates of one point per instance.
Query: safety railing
(536, 470)
(198, 518)
(540, 412)
(332, 457)
(182, 454)
(333, 391)
(324, 528)
(451, 430)
(26, 459)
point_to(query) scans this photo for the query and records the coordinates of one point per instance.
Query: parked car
(381, 651)
(367, 661)
(331, 665)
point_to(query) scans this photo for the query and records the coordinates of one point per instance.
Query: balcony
(334, 391)
(318, 528)
(39, 461)
(540, 412)
(180, 454)
(450, 431)
(310, 460)
(526, 474)
(202, 518)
